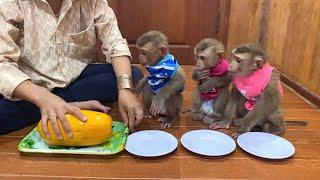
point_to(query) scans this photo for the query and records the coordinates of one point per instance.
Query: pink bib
(251, 87)
(219, 70)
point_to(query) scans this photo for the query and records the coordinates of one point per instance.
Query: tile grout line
(291, 129)
(77, 177)
(196, 157)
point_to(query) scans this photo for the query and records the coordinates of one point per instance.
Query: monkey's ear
(259, 62)
(163, 51)
(221, 55)
(220, 50)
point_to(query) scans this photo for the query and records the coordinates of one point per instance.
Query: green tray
(33, 143)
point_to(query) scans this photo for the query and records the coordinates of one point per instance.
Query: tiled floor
(181, 164)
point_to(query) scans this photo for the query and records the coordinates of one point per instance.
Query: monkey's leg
(196, 112)
(230, 112)
(210, 115)
(275, 123)
(173, 107)
(147, 97)
(220, 104)
(241, 112)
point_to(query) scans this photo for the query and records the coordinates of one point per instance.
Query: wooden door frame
(224, 11)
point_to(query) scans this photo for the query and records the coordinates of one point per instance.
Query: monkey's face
(149, 54)
(206, 59)
(243, 64)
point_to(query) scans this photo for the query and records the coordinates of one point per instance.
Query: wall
(288, 29)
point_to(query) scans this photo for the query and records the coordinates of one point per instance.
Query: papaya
(96, 130)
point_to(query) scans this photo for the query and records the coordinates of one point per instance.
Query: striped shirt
(162, 73)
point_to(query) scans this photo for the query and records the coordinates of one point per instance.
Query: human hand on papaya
(54, 109)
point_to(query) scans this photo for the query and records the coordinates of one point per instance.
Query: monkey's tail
(296, 123)
(185, 110)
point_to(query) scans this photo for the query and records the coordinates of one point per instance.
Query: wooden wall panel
(244, 22)
(291, 35)
(185, 22)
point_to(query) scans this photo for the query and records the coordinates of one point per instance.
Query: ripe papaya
(96, 130)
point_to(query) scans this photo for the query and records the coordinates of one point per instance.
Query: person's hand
(91, 105)
(54, 109)
(130, 108)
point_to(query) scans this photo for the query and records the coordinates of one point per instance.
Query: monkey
(211, 74)
(162, 89)
(255, 95)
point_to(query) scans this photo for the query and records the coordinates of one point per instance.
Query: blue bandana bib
(162, 73)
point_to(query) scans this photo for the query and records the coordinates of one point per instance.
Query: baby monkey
(161, 89)
(256, 92)
(211, 73)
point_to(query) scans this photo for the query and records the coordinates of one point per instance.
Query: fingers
(139, 114)
(124, 116)
(91, 105)
(77, 113)
(54, 123)
(44, 125)
(96, 105)
(65, 124)
(152, 111)
(162, 108)
(203, 74)
(131, 117)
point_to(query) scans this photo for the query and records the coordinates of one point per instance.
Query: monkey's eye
(144, 53)
(203, 58)
(236, 59)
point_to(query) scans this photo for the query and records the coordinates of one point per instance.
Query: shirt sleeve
(113, 44)
(10, 75)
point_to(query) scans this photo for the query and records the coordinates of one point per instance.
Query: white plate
(208, 142)
(266, 145)
(151, 143)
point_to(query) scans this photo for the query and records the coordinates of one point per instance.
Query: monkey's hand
(158, 106)
(165, 123)
(240, 131)
(208, 120)
(200, 75)
(197, 115)
(237, 122)
(236, 134)
(224, 124)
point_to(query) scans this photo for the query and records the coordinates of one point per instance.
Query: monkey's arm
(268, 102)
(230, 112)
(172, 88)
(215, 82)
(141, 84)
(195, 75)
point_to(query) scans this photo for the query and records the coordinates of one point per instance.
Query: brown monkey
(211, 74)
(256, 92)
(161, 89)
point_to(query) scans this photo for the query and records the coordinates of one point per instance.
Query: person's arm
(15, 84)
(116, 49)
(129, 105)
(10, 75)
